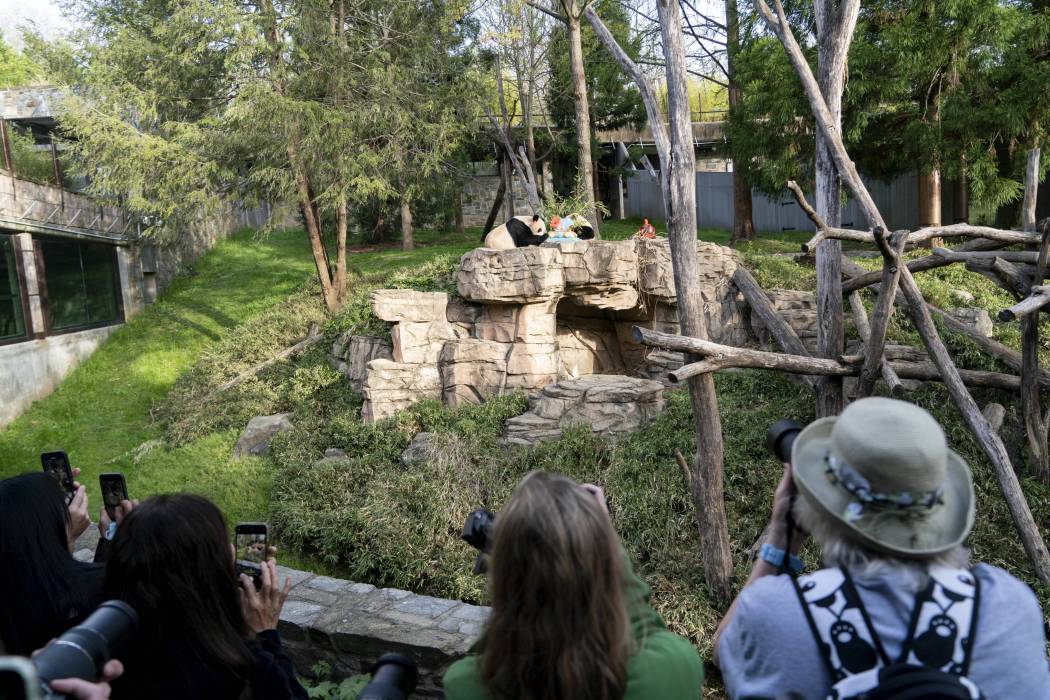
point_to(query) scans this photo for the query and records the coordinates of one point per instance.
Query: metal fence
(897, 199)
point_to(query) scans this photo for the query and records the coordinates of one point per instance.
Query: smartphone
(250, 540)
(57, 465)
(114, 490)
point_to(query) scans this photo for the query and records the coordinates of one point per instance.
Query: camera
(477, 532)
(79, 653)
(780, 438)
(394, 677)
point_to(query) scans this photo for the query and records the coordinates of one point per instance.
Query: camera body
(394, 677)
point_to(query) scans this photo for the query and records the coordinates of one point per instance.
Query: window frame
(45, 299)
(23, 296)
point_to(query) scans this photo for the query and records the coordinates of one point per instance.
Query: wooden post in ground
(1034, 422)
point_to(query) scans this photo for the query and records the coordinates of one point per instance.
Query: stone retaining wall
(350, 625)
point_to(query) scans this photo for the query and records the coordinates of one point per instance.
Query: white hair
(839, 549)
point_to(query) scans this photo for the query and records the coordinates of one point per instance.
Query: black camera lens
(84, 650)
(394, 677)
(781, 437)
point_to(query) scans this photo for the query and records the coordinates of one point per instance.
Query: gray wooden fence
(897, 199)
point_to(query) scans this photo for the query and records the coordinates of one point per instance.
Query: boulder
(611, 405)
(798, 310)
(472, 370)
(393, 386)
(518, 276)
(526, 323)
(977, 319)
(350, 356)
(255, 440)
(601, 274)
(589, 346)
(418, 450)
(420, 342)
(399, 305)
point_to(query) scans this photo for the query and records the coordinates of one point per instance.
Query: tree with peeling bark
(674, 144)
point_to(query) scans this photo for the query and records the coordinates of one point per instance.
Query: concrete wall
(33, 369)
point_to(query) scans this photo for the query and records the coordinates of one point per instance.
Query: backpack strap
(943, 625)
(840, 624)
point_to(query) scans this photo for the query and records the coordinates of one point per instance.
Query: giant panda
(518, 232)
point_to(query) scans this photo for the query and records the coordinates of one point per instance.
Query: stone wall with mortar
(350, 625)
(479, 192)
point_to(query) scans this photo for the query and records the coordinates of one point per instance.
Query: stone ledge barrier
(350, 625)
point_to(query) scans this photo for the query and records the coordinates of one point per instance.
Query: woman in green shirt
(570, 619)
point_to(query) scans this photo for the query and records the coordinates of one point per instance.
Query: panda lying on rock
(519, 232)
(524, 231)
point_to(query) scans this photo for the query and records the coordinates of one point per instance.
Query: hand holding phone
(114, 492)
(57, 465)
(252, 546)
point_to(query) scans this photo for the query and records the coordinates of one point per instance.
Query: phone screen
(57, 465)
(114, 490)
(251, 550)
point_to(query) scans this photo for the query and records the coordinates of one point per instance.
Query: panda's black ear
(535, 217)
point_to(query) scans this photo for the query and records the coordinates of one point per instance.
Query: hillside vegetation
(146, 404)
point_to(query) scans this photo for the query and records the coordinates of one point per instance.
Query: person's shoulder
(666, 666)
(1000, 587)
(769, 590)
(462, 680)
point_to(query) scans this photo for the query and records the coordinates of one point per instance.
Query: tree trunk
(406, 224)
(459, 210)
(340, 260)
(834, 33)
(743, 226)
(929, 194)
(313, 231)
(707, 484)
(961, 196)
(583, 111)
(497, 204)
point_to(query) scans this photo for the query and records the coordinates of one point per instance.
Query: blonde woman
(570, 618)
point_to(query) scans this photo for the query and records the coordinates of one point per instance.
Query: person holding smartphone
(204, 631)
(44, 590)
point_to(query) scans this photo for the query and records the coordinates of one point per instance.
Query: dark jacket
(175, 672)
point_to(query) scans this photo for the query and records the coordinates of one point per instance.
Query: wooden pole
(860, 322)
(1039, 298)
(864, 278)
(1034, 421)
(883, 311)
(5, 146)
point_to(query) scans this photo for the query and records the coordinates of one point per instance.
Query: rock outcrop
(255, 440)
(530, 317)
(610, 405)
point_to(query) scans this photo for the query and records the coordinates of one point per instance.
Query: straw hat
(883, 469)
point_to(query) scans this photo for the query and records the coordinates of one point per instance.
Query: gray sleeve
(767, 650)
(1009, 656)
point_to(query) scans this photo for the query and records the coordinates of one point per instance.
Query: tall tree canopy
(181, 103)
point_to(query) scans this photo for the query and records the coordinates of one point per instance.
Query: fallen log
(719, 357)
(758, 301)
(1039, 297)
(958, 255)
(929, 233)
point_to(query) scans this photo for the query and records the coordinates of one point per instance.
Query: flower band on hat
(842, 474)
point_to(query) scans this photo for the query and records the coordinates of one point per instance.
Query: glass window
(12, 322)
(81, 283)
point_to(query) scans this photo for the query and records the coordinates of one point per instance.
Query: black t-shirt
(35, 629)
(170, 671)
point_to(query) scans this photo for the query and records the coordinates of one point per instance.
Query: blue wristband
(775, 556)
(111, 531)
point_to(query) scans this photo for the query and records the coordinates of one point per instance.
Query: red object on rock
(647, 230)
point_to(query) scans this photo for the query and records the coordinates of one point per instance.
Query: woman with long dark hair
(203, 632)
(44, 590)
(570, 619)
